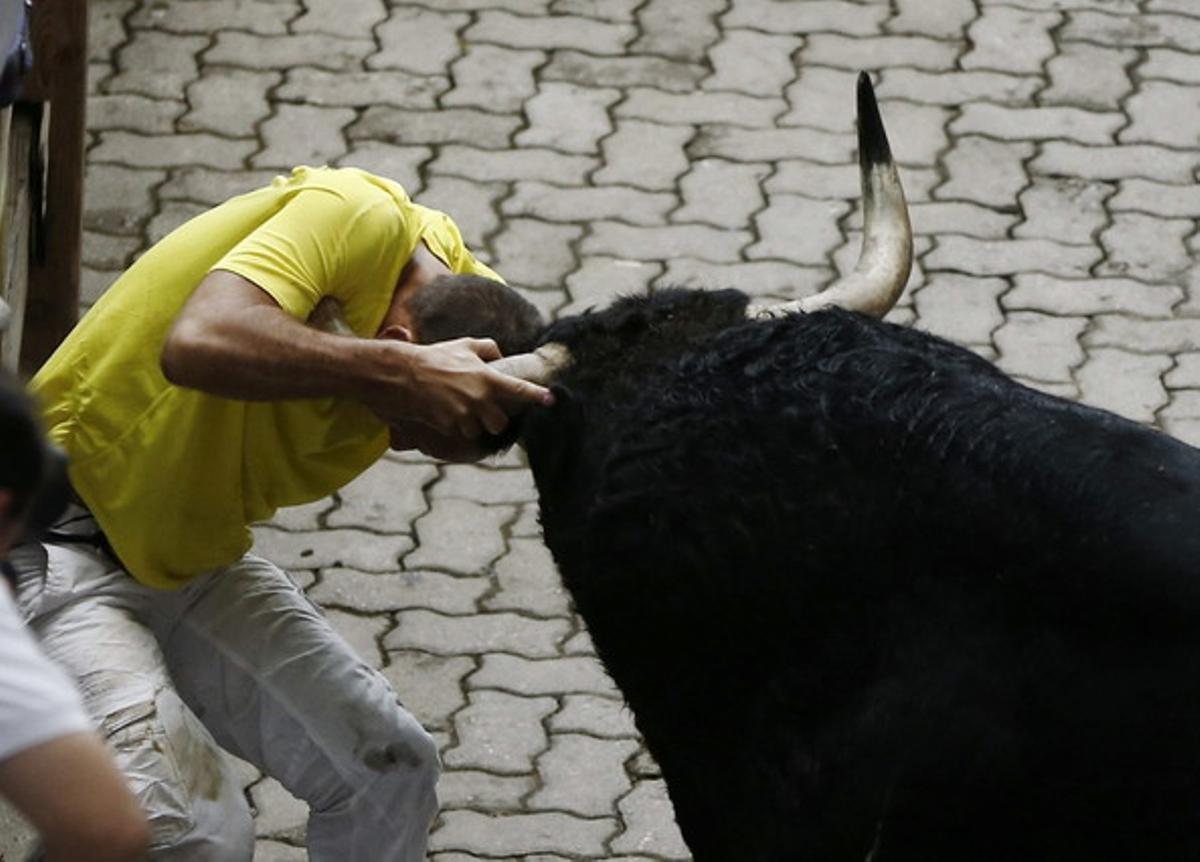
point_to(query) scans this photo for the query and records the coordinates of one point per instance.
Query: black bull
(870, 599)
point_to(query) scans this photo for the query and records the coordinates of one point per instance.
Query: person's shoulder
(351, 183)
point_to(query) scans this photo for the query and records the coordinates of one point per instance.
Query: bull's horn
(539, 367)
(886, 257)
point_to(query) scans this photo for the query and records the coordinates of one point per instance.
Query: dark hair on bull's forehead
(457, 306)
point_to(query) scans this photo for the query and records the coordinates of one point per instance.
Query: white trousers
(238, 658)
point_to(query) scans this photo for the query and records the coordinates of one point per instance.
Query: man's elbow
(178, 358)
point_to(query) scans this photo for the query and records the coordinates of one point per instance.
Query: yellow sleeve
(321, 242)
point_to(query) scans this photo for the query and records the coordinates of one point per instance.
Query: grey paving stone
(482, 791)
(156, 64)
(798, 229)
(279, 814)
(583, 775)
(1043, 123)
(380, 592)
(1168, 64)
(1089, 76)
(1162, 199)
(963, 309)
(597, 282)
(109, 251)
(559, 204)
(527, 163)
(93, 283)
(160, 151)
(938, 217)
(1163, 112)
(528, 581)
(477, 635)
(760, 279)
(1040, 346)
(459, 535)
(568, 117)
(549, 677)
(133, 112)
(1146, 246)
(209, 186)
(550, 32)
(956, 87)
(1185, 374)
(519, 835)
(232, 102)
(822, 98)
(522, 7)
(664, 243)
(419, 39)
(453, 125)
(987, 257)
(331, 548)
(170, 216)
(985, 171)
(117, 199)
(769, 145)
(645, 155)
(752, 62)
(266, 850)
(739, 109)
(611, 10)
(682, 31)
(106, 27)
(650, 823)
(354, 89)
(1060, 158)
(306, 517)
(1009, 39)
(948, 19)
(204, 16)
(500, 733)
(472, 204)
(361, 632)
(1126, 383)
(846, 52)
(283, 52)
(1037, 291)
(1133, 31)
(339, 18)
(535, 254)
(1144, 336)
(1181, 418)
(594, 715)
(526, 526)
(303, 135)
(484, 484)
(917, 132)
(493, 78)
(721, 193)
(633, 70)
(429, 686)
(402, 164)
(1067, 209)
(579, 643)
(784, 16)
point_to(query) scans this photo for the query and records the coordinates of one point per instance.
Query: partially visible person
(53, 767)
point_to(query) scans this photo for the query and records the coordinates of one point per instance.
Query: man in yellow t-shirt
(194, 400)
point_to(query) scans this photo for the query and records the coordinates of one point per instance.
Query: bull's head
(883, 264)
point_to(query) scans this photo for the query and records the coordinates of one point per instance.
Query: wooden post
(58, 79)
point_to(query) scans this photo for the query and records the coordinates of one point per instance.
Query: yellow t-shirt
(174, 476)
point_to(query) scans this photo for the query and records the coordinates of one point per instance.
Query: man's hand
(453, 390)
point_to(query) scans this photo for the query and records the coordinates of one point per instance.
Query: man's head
(458, 306)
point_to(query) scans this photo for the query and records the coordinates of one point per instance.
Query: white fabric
(37, 701)
(240, 659)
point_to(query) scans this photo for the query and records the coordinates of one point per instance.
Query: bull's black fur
(867, 597)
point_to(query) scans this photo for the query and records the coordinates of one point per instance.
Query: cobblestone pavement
(592, 147)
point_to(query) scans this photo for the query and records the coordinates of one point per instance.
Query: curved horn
(538, 367)
(886, 257)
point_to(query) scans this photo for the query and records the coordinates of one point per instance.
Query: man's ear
(397, 332)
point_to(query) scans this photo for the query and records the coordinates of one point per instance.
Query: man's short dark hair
(23, 453)
(457, 306)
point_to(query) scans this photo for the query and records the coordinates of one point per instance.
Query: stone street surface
(589, 148)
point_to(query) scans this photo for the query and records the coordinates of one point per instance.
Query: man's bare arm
(232, 339)
(79, 803)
